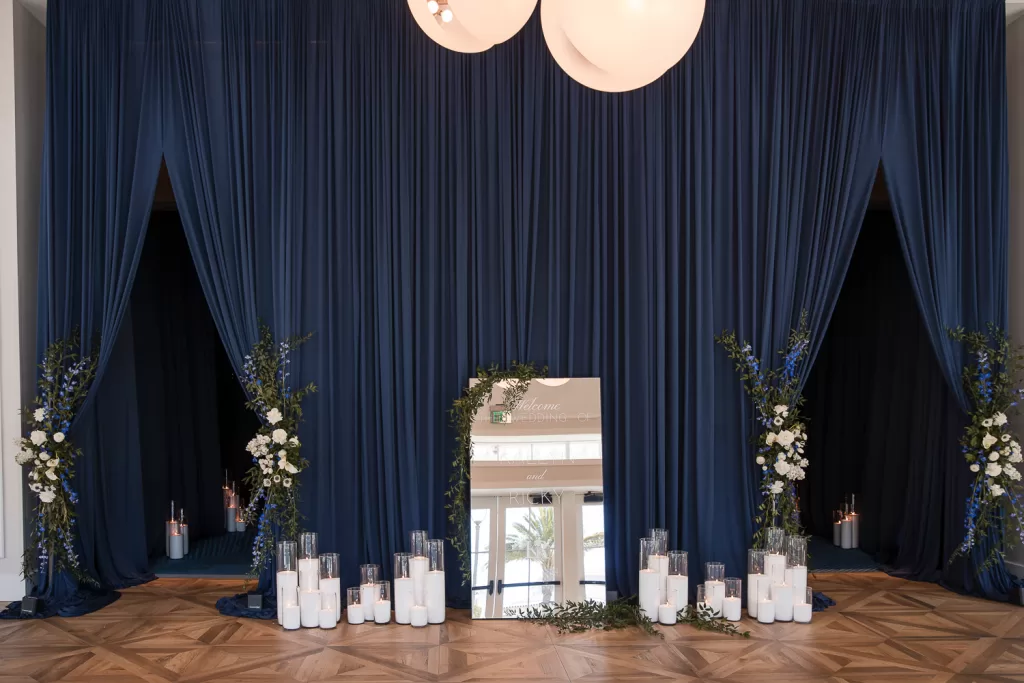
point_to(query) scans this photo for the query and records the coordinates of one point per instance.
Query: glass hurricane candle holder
(369, 573)
(775, 541)
(435, 554)
(287, 556)
(330, 578)
(796, 553)
(648, 547)
(755, 561)
(678, 563)
(702, 601)
(354, 605)
(404, 590)
(418, 543)
(660, 537)
(733, 587)
(714, 571)
(309, 542)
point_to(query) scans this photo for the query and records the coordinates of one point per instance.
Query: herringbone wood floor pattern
(882, 629)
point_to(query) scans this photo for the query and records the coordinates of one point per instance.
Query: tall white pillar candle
(292, 617)
(229, 519)
(855, 529)
(846, 533)
(678, 590)
(782, 596)
(240, 525)
(382, 611)
(752, 580)
(714, 592)
(659, 563)
(368, 596)
(798, 580)
(418, 616)
(177, 547)
(355, 614)
(802, 613)
(309, 574)
(837, 533)
(184, 535)
(732, 608)
(332, 586)
(167, 538)
(765, 611)
(287, 587)
(403, 599)
(309, 608)
(667, 614)
(418, 572)
(650, 580)
(435, 597)
(775, 567)
(328, 617)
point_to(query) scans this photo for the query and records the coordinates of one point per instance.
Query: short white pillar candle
(287, 592)
(775, 567)
(802, 613)
(650, 582)
(177, 547)
(418, 571)
(309, 574)
(229, 519)
(435, 594)
(382, 611)
(355, 614)
(328, 617)
(291, 618)
(667, 614)
(714, 592)
(732, 609)
(797, 578)
(404, 590)
(846, 534)
(368, 596)
(332, 586)
(418, 615)
(837, 533)
(309, 607)
(752, 588)
(184, 535)
(678, 591)
(659, 563)
(765, 611)
(782, 596)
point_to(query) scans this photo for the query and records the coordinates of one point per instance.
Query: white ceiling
(36, 7)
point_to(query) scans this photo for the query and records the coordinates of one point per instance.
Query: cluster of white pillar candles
(846, 525)
(176, 534)
(309, 586)
(776, 582)
(233, 509)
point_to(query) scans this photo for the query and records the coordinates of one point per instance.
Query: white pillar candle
(765, 611)
(184, 535)
(659, 563)
(837, 533)
(418, 572)
(752, 580)
(764, 590)
(403, 599)
(332, 586)
(309, 608)
(650, 579)
(355, 614)
(239, 525)
(797, 578)
(782, 596)
(435, 597)
(328, 617)
(775, 567)
(167, 538)
(802, 613)
(382, 611)
(287, 587)
(177, 547)
(667, 614)
(714, 593)
(309, 574)
(732, 608)
(229, 519)
(418, 615)
(368, 596)
(855, 529)
(846, 533)
(292, 618)
(678, 591)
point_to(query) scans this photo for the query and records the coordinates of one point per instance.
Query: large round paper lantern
(451, 34)
(492, 21)
(630, 36)
(581, 69)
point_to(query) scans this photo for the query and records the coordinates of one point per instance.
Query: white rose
(993, 456)
(988, 441)
(785, 438)
(986, 423)
(996, 489)
(993, 469)
(39, 415)
(782, 467)
(999, 419)
(975, 467)
(287, 482)
(1005, 437)
(760, 460)
(266, 482)
(50, 475)
(777, 421)
(59, 437)
(770, 439)
(37, 437)
(47, 496)
(279, 436)
(274, 416)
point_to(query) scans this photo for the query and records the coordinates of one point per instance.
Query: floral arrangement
(782, 441)
(50, 455)
(590, 615)
(988, 444)
(276, 451)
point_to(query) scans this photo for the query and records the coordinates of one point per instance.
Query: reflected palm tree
(534, 541)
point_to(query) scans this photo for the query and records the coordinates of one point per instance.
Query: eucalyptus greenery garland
(589, 615)
(276, 451)
(64, 381)
(463, 413)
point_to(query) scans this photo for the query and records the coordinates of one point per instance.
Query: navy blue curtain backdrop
(424, 212)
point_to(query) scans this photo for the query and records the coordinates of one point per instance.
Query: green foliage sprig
(273, 479)
(64, 381)
(775, 393)
(463, 413)
(590, 615)
(989, 446)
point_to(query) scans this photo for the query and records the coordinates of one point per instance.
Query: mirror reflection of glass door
(592, 547)
(483, 531)
(531, 557)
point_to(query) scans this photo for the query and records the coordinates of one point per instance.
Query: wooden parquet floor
(882, 629)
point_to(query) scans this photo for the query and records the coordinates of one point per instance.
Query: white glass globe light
(632, 36)
(451, 35)
(578, 67)
(553, 382)
(493, 21)
(447, 16)
(432, 6)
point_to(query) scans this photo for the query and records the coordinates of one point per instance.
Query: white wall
(22, 100)
(1015, 118)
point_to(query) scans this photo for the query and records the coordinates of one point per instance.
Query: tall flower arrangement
(989, 445)
(782, 440)
(49, 455)
(275, 449)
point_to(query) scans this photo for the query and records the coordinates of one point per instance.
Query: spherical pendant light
(451, 33)
(493, 21)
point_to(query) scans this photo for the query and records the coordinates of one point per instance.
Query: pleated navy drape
(424, 212)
